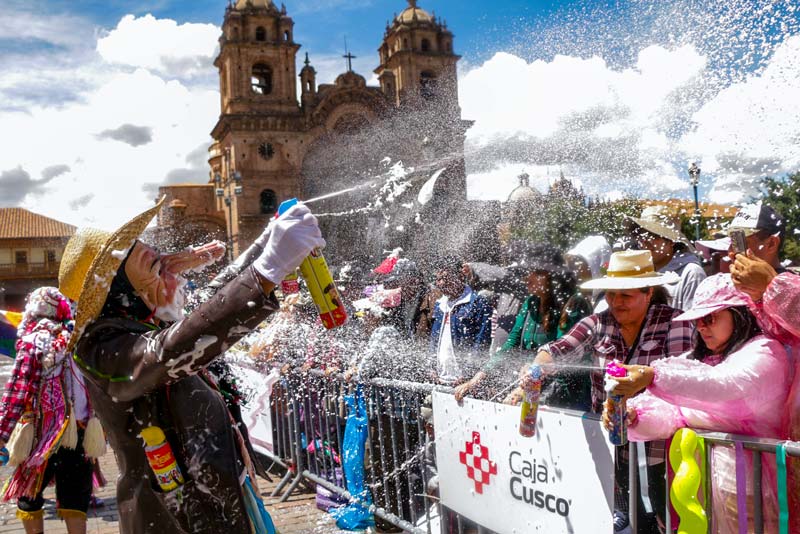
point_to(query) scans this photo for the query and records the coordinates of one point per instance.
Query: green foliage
(564, 216)
(783, 194)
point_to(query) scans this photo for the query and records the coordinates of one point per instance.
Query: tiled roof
(19, 223)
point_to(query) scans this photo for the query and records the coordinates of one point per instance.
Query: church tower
(257, 59)
(255, 158)
(417, 63)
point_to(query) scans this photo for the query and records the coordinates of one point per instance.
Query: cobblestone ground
(296, 516)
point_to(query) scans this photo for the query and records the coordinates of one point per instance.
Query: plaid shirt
(600, 336)
(21, 390)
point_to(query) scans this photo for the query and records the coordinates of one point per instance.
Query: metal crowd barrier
(758, 446)
(308, 417)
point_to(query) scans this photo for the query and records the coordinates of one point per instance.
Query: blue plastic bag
(355, 516)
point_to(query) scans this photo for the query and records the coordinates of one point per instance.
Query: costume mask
(157, 277)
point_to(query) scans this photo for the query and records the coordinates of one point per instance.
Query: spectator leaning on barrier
(538, 318)
(634, 331)
(461, 327)
(659, 232)
(735, 380)
(775, 294)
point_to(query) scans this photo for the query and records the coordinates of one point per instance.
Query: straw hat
(660, 221)
(631, 269)
(90, 262)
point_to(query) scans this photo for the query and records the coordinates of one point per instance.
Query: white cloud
(752, 128)
(632, 130)
(161, 45)
(102, 182)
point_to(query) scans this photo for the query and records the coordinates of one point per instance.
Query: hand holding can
(532, 388)
(616, 406)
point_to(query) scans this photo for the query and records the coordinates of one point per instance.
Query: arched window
(427, 85)
(426, 45)
(287, 36)
(405, 44)
(449, 47)
(261, 80)
(261, 34)
(269, 202)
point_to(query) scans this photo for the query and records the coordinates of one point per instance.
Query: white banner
(257, 388)
(560, 480)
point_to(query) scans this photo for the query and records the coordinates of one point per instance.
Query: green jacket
(528, 333)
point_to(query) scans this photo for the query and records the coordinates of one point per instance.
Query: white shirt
(448, 367)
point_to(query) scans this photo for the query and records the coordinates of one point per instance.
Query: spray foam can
(617, 409)
(161, 459)
(324, 292)
(530, 404)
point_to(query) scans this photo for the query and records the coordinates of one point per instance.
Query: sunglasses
(707, 320)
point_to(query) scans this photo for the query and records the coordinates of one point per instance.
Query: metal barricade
(758, 447)
(309, 416)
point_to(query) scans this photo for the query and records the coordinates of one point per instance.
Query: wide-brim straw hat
(90, 261)
(659, 221)
(631, 269)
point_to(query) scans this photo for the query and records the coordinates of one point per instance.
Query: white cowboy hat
(631, 269)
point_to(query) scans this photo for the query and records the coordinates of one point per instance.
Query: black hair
(122, 299)
(745, 328)
(450, 264)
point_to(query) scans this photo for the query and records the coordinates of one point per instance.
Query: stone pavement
(296, 516)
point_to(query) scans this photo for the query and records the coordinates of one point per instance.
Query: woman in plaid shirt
(635, 329)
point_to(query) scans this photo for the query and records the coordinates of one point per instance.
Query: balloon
(683, 493)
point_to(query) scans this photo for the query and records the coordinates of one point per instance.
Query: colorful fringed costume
(45, 401)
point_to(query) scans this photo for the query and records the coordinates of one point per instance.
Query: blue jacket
(470, 323)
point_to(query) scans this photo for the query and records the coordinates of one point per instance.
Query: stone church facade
(270, 146)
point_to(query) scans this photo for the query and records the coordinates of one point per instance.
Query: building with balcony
(31, 246)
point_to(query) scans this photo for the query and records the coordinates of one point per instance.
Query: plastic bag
(356, 515)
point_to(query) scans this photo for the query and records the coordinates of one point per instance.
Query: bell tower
(417, 62)
(256, 61)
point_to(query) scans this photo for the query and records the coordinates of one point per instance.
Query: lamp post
(694, 178)
(223, 192)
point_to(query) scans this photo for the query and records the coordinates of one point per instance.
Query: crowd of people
(707, 345)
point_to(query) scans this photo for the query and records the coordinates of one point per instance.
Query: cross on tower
(412, 4)
(348, 56)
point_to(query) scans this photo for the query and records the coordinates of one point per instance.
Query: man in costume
(46, 406)
(144, 372)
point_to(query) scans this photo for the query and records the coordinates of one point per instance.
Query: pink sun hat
(715, 293)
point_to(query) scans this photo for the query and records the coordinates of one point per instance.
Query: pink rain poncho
(744, 393)
(778, 314)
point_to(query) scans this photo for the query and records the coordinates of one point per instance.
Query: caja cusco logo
(476, 459)
(529, 477)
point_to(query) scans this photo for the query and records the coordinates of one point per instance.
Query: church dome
(414, 14)
(524, 192)
(263, 4)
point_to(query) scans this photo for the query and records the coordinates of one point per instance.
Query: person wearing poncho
(144, 365)
(46, 405)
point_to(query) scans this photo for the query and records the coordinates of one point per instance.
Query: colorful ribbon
(741, 487)
(783, 501)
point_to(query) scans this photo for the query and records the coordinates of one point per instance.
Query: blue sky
(109, 99)
(322, 25)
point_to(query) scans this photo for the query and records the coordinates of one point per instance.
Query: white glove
(263, 239)
(292, 237)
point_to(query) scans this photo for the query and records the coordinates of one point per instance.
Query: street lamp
(223, 191)
(694, 178)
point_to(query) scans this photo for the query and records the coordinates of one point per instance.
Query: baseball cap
(715, 293)
(758, 217)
